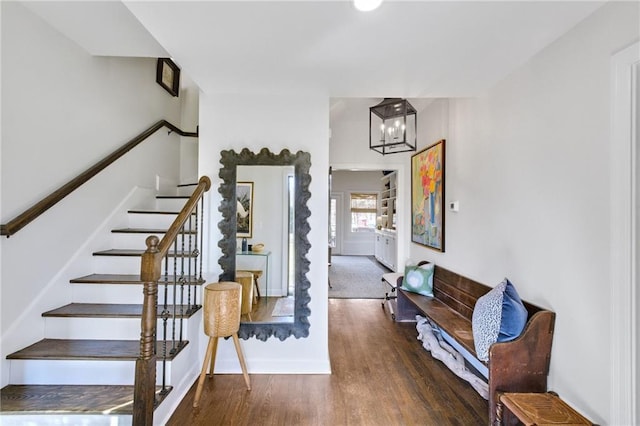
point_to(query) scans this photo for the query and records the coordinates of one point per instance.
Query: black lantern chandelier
(392, 126)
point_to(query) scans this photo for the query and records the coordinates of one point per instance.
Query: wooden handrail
(150, 272)
(24, 218)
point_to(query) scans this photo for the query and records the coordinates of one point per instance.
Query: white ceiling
(414, 49)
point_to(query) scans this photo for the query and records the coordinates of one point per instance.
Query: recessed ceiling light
(366, 5)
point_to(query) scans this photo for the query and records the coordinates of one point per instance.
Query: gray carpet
(356, 277)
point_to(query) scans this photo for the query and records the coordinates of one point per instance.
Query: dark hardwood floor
(381, 375)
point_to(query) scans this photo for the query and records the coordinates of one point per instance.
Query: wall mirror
(264, 205)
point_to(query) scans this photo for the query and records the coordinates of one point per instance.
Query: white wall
(189, 95)
(346, 182)
(529, 164)
(277, 122)
(66, 111)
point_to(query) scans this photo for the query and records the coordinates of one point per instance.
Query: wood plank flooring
(380, 376)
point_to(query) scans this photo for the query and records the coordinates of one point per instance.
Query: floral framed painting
(244, 196)
(427, 196)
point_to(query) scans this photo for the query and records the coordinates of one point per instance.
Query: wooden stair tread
(172, 197)
(157, 212)
(136, 252)
(126, 279)
(145, 231)
(70, 399)
(87, 349)
(112, 310)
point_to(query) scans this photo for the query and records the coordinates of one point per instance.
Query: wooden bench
(521, 365)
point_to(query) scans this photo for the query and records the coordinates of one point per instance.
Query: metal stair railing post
(150, 272)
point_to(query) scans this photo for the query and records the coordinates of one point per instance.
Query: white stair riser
(138, 241)
(107, 328)
(131, 241)
(170, 204)
(84, 372)
(119, 293)
(162, 221)
(186, 190)
(132, 264)
(116, 264)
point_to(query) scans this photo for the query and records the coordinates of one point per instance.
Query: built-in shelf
(388, 199)
(385, 244)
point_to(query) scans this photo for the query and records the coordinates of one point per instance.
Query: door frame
(339, 197)
(624, 237)
(402, 201)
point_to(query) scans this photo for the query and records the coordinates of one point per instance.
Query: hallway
(381, 376)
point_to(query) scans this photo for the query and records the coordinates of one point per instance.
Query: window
(364, 208)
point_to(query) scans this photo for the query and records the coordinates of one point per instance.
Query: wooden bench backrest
(461, 293)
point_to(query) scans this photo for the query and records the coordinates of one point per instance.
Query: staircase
(83, 371)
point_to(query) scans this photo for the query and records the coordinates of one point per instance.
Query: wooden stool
(245, 279)
(539, 409)
(257, 273)
(222, 302)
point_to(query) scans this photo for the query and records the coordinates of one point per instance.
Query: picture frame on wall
(427, 196)
(244, 196)
(168, 75)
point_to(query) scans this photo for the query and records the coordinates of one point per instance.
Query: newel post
(145, 380)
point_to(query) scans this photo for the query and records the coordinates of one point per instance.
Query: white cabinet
(385, 249)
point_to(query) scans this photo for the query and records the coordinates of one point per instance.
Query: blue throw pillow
(514, 314)
(498, 316)
(418, 279)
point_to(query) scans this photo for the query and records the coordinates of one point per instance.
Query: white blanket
(432, 341)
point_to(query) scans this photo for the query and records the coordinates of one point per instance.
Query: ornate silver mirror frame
(228, 173)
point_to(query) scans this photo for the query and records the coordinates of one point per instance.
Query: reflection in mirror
(273, 214)
(269, 216)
